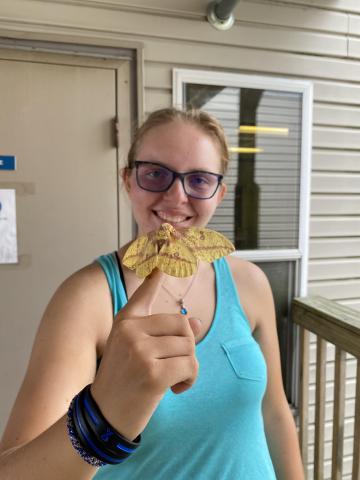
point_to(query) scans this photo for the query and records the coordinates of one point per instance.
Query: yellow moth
(175, 251)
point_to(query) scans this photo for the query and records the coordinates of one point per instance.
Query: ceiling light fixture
(245, 150)
(264, 130)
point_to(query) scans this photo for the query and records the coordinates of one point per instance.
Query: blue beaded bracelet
(74, 439)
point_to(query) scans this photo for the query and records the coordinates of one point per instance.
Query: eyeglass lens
(158, 179)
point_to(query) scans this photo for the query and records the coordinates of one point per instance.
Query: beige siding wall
(317, 40)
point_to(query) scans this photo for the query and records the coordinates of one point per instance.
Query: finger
(169, 346)
(179, 370)
(162, 324)
(195, 324)
(141, 301)
(181, 387)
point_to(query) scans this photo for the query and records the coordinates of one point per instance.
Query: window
(266, 211)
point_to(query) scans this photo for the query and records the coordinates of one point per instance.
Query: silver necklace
(180, 301)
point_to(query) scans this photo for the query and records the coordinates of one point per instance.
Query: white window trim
(204, 77)
(268, 255)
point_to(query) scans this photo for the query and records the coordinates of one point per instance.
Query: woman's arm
(257, 299)
(50, 455)
(63, 360)
(142, 356)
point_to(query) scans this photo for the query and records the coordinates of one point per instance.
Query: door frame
(129, 87)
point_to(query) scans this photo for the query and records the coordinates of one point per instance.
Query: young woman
(202, 387)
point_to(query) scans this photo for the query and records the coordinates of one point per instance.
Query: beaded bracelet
(97, 442)
(74, 439)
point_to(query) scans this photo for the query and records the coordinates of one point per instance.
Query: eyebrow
(196, 170)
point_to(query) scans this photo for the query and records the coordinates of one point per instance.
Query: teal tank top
(214, 430)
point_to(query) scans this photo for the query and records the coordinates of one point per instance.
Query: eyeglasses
(154, 177)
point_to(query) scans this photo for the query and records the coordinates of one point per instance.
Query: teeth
(170, 218)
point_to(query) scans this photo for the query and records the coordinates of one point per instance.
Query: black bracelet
(87, 438)
(100, 441)
(110, 438)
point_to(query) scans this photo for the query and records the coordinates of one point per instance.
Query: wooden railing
(339, 325)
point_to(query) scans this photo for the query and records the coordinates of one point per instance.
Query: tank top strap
(109, 264)
(227, 296)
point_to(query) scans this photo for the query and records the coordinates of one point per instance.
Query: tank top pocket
(245, 358)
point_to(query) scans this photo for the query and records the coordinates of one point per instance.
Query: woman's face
(182, 147)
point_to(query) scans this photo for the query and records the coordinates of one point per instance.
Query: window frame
(299, 255)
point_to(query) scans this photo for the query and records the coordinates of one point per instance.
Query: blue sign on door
(7, 162)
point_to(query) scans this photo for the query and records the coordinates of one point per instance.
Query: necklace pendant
(183, 309)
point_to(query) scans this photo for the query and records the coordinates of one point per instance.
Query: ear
(221, 192)
(125, 175)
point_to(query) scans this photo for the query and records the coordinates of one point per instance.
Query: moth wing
(141, 255)
(134, 252)
(176, 259)
(206, 244)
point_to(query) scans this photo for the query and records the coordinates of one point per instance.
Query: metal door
(56, 115)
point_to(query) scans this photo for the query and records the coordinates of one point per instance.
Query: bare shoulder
(89, 276)
(85, 289)
(253, 288)
(81, 302)
(76, 321)
(243, 269)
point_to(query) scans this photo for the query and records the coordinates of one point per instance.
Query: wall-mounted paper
(8, 238)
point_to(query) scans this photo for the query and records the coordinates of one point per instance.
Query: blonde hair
(203, 120)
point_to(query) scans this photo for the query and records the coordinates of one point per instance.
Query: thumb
(195, 324)
(142, 299)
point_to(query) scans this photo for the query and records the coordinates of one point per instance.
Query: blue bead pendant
(183, 309)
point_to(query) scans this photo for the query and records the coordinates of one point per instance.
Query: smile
(171, 218)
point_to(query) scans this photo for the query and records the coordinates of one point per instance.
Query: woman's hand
(144, 356)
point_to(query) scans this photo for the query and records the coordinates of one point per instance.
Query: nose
(177, 192)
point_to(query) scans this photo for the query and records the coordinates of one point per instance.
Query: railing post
(320, 408)
(338, 417)
(356, 454)
(304, 395)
